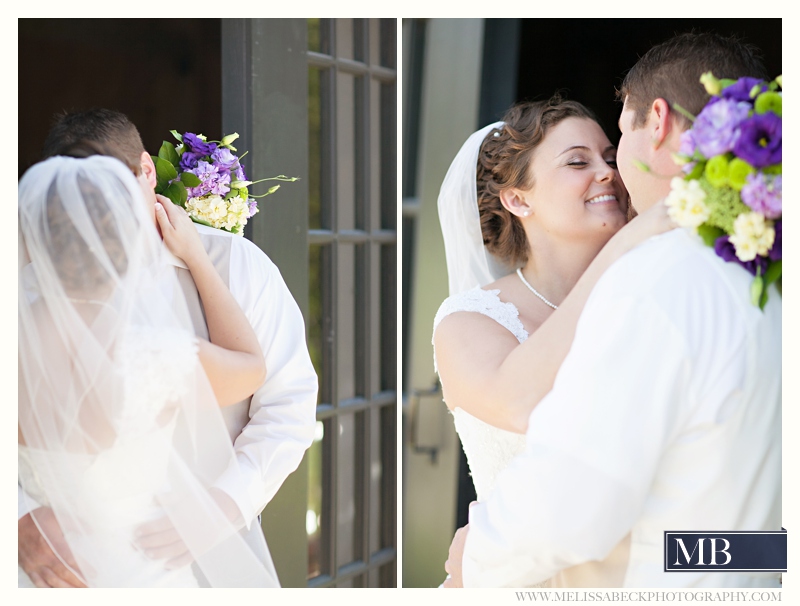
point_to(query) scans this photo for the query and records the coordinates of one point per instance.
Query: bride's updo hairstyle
(503, 162)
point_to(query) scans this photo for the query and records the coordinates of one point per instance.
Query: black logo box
(731, 551)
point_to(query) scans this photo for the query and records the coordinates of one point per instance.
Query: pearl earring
(526, 213)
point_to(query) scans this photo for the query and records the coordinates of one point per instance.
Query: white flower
(227, 214)
(752, 235)
(686, 203)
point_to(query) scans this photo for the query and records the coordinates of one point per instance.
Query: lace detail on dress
(489, 449)
(486, 302)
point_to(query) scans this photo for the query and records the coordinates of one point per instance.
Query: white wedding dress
(118, 486)
(489, 449)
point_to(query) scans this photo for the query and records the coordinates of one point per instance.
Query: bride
(532, 211)
(119, 419)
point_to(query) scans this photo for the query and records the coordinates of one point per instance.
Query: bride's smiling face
(577, 191)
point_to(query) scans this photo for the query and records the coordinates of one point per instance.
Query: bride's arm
(503, 381)
(233, 359)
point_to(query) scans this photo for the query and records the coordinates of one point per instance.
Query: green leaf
(726, 82)
(243, 193)
(177, 135)
(773, 273)
(168, 153)
(165, 171)
(757, 290)
(709, 233)
(177, 193)
(161, 184)
(697, 171)
(230, 194)
(190, 179)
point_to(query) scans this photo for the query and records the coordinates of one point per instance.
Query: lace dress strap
(486, 302)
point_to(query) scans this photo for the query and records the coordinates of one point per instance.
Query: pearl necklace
(533, 290)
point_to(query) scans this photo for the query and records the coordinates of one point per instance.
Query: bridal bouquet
(731, 189)
(209, 181)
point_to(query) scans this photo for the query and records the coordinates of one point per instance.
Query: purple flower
(776, 253)
(223, 158)
(716, 128)
(251, 207)
(189, 161)
(726, 250)
(740, 91)
(212, 181)
(239, 172)
(760, 142)
(197, 145)
(221, 184)
(763, 193)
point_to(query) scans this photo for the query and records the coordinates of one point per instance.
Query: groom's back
(720, 468)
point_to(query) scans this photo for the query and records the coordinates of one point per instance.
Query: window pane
(346, 322)
(314, 149)
(345, 489)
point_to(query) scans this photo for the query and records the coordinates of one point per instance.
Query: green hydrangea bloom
(769, 102)
(725, 205)
(738, 170)
(716, 171)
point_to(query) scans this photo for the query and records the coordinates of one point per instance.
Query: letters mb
(711, 547)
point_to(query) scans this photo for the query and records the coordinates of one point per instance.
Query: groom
(270, 431)
(666, 414)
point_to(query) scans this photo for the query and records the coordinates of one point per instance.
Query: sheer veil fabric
(469, 264)
(118, 423)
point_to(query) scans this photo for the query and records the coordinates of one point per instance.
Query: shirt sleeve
(593, 446)
(283, 409)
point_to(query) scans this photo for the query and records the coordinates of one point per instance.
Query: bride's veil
(118, 424)
(469, 264)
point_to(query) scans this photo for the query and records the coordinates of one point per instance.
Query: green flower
(738, 170)
(769, 102)
(724, 205)
(717, 171)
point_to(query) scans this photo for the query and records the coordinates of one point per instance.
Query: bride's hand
(178, 231)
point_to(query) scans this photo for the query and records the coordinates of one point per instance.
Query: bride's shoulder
(479, 310)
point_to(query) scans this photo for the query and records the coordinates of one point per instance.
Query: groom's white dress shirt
(272, 430)
(665, 416)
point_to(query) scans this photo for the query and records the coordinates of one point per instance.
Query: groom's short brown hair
(110, 131)
(671, 71)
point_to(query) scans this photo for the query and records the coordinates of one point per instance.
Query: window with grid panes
(352, 113)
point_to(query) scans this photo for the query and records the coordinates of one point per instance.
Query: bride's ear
(514, 202)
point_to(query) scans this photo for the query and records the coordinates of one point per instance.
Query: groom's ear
(660, 122)
(514, 202)
(148, 169)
